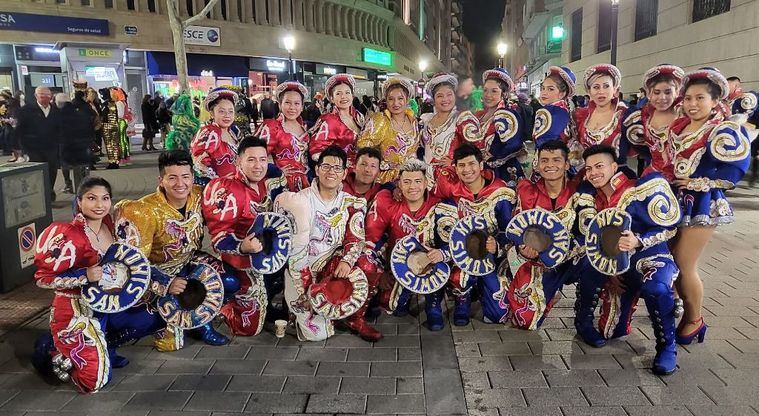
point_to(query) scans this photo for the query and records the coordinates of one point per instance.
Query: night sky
(482, 25)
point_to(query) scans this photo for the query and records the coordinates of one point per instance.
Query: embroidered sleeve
(220, 210)
(55, 257)
(203, 146)
(377, 219)
(135, 225)
(551, 122)
(446, 216)
(354, 239)
(730, 148)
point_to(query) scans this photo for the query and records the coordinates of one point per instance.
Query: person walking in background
(163, 116)
(76, 138)
(38, 132)
(9, 107)
(149, 121)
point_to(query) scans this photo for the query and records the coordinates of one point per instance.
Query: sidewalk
(478, 369)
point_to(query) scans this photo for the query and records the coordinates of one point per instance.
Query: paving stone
(30, 381)
(446, 397)
(402, 404)
(718, 410)
(693, 377)
(201, 382)
(398, 341)
(264, 338)
(481, 364)
(657, 410)
(217, 401)
(408, 329)
(357, 369)
(158, 400)
(351, 341)
(557, 396)
(409, 354)
(367, 385)
(180, 413)
(737, 360)
(516, 379)
(232, 367)
(186, 367)
(615, 396)
(519, 335)
(269, 353)
(409, 385)
(475, 337)
(98, 402)
(590, 361)
(555, 348)
(572, 378)
(290, 368)
(138, 382)
(468, 350)
(629, 377)
(372, 354)
(530, 411)
(526, 362)
(323, 354)
(142, 367)
(505, 348)
(35, 400)
(310, 385)
(276, 403)
(594, 411)
(612, 347)
(228, 351)
(343, 403)
(258, 384)
(495, 398)
(675, 394)
(475, 381)
(400, 369)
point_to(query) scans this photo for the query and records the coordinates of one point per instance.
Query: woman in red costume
(342, 126)
(67, 257)
(601, 121)
(646, 128)
(214, 147)
(286, 136)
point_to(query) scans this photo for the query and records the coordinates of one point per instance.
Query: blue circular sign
(125, 280)
(601, 246)
(541, 224)
(468, 239)
(204, 283)
(411, 269)
(27, 239)
(212, 35)
(273, 231)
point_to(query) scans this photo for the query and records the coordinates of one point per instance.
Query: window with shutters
(646, 12)
(576, 36)
(604, 26)
(704, 9)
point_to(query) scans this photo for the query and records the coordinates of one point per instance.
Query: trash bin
(26, 211)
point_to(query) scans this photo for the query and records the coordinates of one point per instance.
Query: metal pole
(614, 11)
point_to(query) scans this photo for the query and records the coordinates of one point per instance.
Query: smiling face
(698, 103)
(224, 113)
(331, 173)
(492, 94)
(469, 170)
(552, 164)
(412, 185)
(291, 104)
(397, 100)
(599, 169)
(254, 162)
(662, 95)
(176, 182)
(445, 99)
(95, 204)
(367, 169)
(602, 90)
(550, 91)
(342, 96)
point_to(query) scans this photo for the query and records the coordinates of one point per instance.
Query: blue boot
(585, 306)
(41, 358)
(461, 311)
(209, 335)
(117, 361)
(661, 306)
(404, 300)
(434, 309)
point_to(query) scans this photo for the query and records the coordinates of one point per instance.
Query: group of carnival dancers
(358, 214)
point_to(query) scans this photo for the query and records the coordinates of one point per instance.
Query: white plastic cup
(280, 325)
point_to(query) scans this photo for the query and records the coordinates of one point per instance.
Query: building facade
(240, 42)
(691, 34)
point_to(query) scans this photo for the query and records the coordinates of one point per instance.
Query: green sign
(374, 56)
(557, 33)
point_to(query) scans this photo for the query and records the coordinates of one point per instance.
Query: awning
(162, 63)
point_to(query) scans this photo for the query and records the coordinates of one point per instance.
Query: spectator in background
(464, 93)
(311, 114)
(269, 109)
(76, 138)
(735, 88)
(359, 106)
(255, 113)
(367, 102)
(163, 115)
(149, 121)
(38, 131)
(9, 107)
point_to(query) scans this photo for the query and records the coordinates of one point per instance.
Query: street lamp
(423, 66)
(613, 40)
(502, 48)
(289, 42)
